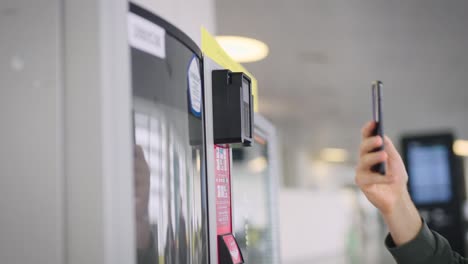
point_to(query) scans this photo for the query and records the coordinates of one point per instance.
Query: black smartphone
(377, 115)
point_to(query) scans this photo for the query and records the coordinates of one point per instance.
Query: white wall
(335, 226)
(187, 15)
(65, 144)
(304, 170)
(322, 219)
(314, 226)
(31, 182)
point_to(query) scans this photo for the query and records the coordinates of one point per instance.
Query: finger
(390, 149)
(370, 159)
(369, 144)
(367, 129)
(368, 178)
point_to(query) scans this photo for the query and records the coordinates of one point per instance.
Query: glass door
(170, 175)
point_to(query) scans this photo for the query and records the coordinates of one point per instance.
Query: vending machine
(189, 113)
(436, 184)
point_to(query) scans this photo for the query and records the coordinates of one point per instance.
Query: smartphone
(377, 115)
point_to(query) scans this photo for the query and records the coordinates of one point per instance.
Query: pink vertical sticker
(223, 190)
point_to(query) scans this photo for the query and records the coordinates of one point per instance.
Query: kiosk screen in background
(429, 173)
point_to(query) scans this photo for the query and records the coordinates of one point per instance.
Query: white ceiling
(324, 54)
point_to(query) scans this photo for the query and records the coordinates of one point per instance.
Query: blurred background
(314, 88)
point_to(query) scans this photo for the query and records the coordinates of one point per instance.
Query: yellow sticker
(214, 51)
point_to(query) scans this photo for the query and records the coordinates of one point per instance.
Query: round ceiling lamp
(242, 49)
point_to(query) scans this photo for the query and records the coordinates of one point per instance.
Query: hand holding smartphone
(377, 115)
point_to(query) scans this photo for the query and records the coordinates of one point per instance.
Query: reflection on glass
(253, 210)
(170, 207)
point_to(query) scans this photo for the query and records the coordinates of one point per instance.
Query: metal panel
(97, 133)
(209, 65)
(31, 169)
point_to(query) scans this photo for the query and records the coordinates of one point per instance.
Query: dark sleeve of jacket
(427, 248)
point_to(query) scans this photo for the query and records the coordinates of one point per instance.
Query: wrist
(400, 207)
(403, 220)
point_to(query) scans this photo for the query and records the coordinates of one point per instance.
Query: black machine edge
(170, 29)
(377, 116)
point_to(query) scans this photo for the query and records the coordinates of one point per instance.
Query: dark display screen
(429, 173)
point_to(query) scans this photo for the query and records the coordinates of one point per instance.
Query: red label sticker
(223, 190)
(233, 249)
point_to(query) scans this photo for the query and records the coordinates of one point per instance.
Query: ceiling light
(460, 147)
(334, 155)
(242, 49)
(258, 164)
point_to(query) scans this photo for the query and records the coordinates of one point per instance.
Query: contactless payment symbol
(194, 86)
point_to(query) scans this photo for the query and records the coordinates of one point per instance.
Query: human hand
(383, 191)
(389, 193)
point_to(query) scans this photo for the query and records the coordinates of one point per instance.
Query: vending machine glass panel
(253, 205)
(170, 169)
